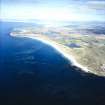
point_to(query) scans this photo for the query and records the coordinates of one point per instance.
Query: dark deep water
(32, 73)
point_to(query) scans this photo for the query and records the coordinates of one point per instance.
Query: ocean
(34, 73)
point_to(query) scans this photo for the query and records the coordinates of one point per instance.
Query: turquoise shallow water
(32, 73)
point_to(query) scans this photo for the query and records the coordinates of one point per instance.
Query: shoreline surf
(58, 48)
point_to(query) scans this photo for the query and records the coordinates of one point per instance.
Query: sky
(53, 10)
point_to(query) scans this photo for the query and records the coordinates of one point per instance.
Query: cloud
(98, 5)
(20, 1)
(90, 9)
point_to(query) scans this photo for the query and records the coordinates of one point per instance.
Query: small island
(85, 48)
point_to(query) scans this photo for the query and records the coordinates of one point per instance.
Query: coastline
(65, 52)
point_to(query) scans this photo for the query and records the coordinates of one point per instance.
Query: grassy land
(91, 53)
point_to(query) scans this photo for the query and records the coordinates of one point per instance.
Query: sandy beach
(63, 50)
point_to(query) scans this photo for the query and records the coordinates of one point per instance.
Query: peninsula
(83, 48)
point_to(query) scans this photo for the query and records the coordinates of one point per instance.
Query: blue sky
(53, 10)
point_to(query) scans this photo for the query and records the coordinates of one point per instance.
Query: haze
(53, 10)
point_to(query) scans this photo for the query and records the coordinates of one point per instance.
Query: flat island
(85, 48)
